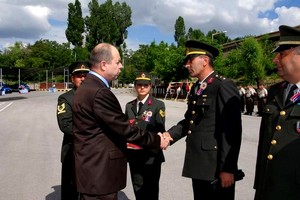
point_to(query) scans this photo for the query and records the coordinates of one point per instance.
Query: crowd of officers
(250, 97)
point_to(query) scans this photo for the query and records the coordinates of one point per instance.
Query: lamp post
(217, 33)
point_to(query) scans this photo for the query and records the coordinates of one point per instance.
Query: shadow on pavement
(122, 196)
(55, 195)
(11, 98)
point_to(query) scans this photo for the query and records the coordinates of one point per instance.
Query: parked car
(6, 89)
(131, 85)
(16, 87)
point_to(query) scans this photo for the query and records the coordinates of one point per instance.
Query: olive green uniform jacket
(212, 127)
(151, 118)
(277, 174)
(64, 119)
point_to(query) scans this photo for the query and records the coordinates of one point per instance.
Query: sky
(28, 21)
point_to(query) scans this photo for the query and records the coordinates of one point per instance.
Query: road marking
(6, 106)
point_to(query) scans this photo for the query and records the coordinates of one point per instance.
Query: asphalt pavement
(30, 143)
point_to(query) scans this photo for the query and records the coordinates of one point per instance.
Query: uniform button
(191, 122)
(267, 109)
(273, 142)
(282, 113)
(215, 147)
(204, 99)
(270, 157)
(194, 102)
(278, 127)
(189, 132)
(193, 112)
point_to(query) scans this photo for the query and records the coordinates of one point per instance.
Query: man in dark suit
(147, 113)
(212, 126)
(277, 173)
(101, 130)
(78, 72)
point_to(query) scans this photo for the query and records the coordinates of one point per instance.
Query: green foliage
(232, 66)
(196, 34)
(75, 29)
(251, 58)
(179, 35)
(107, 22)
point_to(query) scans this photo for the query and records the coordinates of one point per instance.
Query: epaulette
(222, 78)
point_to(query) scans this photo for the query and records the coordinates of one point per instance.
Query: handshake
(165, 139)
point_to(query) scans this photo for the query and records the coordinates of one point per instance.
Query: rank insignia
(162, 113)
(61, 108)
(298, 127)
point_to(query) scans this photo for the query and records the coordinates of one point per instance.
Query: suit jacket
(101, 131)
(212, 125)
(277, 173)
(151, 117)
(64, 119)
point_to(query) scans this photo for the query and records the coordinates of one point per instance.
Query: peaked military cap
(79, 67)
(194, 48)
(142, 79)
(289, 37)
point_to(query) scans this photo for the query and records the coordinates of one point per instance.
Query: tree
(179, 35)
(196, 34)
(75, 29)
(107, 23)
(251, 57)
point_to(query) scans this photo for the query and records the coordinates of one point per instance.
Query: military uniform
(64, 119)
(145, 164)
(212, 125)
(277, 175)
(249, 96)
(262, 94)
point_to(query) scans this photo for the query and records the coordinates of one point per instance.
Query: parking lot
(30, 143)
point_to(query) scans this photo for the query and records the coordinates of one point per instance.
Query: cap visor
(142, 82)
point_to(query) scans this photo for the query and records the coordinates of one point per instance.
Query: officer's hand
(227, 179)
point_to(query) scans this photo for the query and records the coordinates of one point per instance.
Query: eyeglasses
(143, 85)
(81, 75)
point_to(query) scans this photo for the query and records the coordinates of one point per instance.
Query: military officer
(242, 93)
(147, 113)
(212, 126)
(277, 174)
(250, 95)
(78, 72)
(262, 94)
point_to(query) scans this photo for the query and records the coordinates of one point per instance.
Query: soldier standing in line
(242, 92)
(78, 72)
(262, 94)
(250, 95)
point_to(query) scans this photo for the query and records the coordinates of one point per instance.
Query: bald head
(106, 61)
(101, 52)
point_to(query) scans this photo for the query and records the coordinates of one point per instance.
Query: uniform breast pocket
(204, 104)
(295, 113)
(269, 109)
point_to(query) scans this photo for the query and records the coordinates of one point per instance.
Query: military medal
(296, 96)
(147, 116)
(202, 88)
